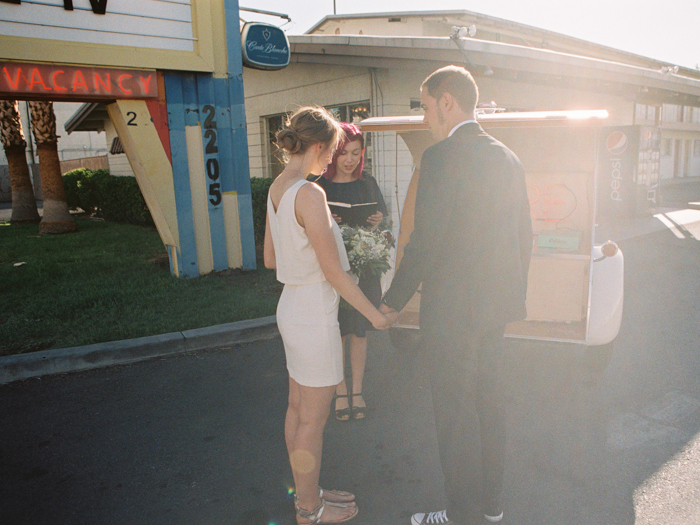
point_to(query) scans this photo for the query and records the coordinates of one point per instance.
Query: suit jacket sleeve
(435, 196)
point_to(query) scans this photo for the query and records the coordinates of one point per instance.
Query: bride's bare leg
(291, 420)
(306, 418)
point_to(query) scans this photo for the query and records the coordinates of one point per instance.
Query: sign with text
(60, 82)
(616, 169)
(264, 46)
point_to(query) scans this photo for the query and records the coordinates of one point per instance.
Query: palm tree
(57, 218)
(23, 201)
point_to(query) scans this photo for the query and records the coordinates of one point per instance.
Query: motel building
(181, 113)
(372, 65)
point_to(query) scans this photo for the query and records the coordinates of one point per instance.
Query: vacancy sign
(60, 82)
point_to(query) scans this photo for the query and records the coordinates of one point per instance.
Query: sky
(663, 30)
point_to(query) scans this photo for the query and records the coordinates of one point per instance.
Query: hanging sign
(264, 46)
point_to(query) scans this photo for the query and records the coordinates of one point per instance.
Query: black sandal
(358, 412)
(342, 414)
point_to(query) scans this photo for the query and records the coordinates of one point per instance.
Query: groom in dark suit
(470, 249)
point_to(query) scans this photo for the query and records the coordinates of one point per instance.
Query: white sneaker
(494, 519)
(431, 518)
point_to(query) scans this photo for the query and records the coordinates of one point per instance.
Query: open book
(353, 214)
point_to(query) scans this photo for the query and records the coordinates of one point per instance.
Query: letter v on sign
(99, 7)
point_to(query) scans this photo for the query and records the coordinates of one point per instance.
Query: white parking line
(670, 225)
(682, 223)
(688, 219)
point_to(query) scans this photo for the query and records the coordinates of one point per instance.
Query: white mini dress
(307, 312)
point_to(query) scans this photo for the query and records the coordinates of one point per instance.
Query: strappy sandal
(358, 412)
(336, 496)
(342, 414)
(349, 503)
(314, 516)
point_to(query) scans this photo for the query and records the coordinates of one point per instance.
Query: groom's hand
(389, 312)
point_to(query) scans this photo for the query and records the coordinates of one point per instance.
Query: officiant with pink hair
(345, 181)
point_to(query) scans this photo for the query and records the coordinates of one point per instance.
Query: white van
(575, 285)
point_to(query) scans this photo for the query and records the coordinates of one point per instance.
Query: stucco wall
(275, 92)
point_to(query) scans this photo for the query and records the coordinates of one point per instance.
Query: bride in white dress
(303, 243)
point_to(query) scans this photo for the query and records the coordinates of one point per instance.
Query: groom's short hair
(456, 81)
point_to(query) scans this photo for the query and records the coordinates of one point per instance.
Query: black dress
(354, 192)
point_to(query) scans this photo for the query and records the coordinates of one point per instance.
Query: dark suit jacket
(472, 238)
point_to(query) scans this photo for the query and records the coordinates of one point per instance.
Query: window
(353, 113)
(687, 114)
(640, 112)
(696, 148)
(671, 113)
(665, 147)
(696, 115)
(117, 147)
(350, 112)
(275, 164)
(644, 112)
(651, 113)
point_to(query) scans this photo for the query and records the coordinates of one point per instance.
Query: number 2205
(211, 148)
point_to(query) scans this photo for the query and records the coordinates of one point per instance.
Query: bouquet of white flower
(368, 250)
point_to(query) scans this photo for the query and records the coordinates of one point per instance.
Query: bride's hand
(387, 320)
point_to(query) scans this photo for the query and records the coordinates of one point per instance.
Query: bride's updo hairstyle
(305, 127)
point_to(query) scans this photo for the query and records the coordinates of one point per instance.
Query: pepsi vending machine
(628, 170)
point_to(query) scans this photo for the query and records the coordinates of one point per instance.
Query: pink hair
(352, 133)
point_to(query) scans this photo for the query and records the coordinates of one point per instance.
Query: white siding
(156, 24)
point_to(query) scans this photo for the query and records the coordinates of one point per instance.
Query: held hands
(387, 319)
(383, 322)
(389, 313)
(336, 218)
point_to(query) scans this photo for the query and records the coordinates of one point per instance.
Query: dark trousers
(470, 419)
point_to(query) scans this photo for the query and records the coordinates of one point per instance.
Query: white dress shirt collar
(460, 125)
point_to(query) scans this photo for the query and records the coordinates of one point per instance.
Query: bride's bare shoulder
(312, 193)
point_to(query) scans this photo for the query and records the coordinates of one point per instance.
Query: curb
(62, 360)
